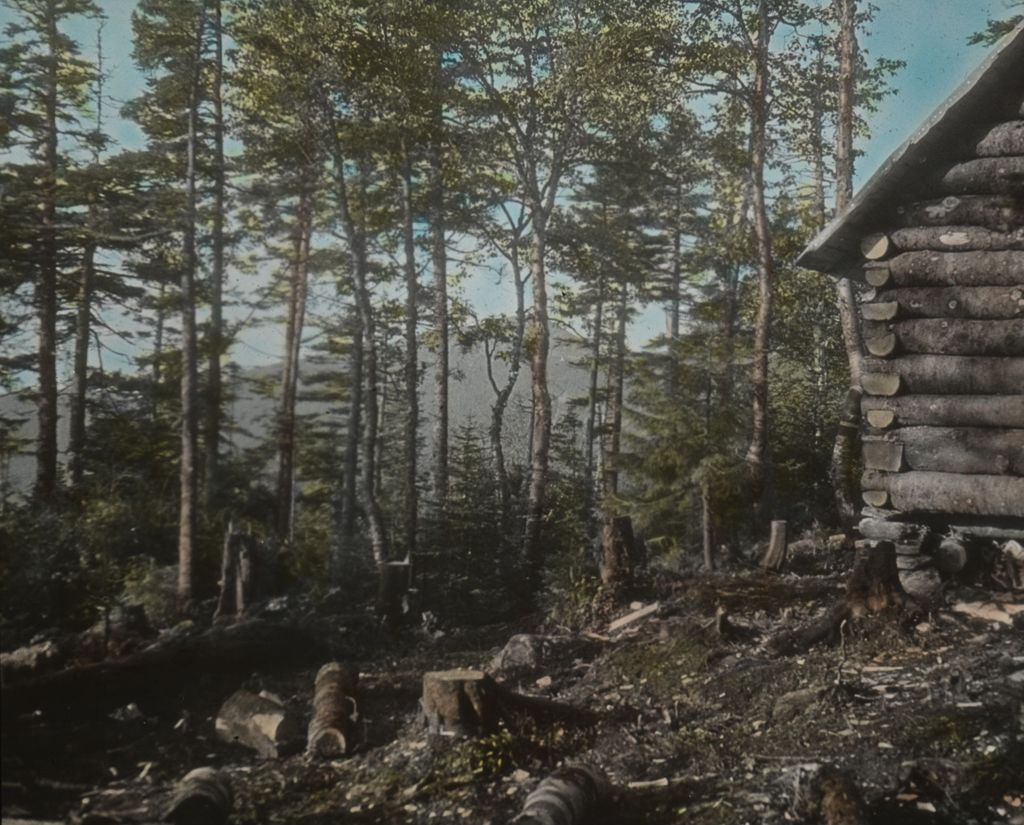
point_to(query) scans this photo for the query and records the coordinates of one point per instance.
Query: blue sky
(929, 35)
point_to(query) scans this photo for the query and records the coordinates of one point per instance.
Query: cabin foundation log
(984, 451)
(983, 176)
(972, 302)
(952, 493)
(955, 239)
(1001, 140)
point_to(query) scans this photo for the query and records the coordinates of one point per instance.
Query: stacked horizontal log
(943, 382)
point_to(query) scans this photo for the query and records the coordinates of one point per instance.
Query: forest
(542, 503)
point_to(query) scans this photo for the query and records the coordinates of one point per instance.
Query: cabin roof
(993, 91)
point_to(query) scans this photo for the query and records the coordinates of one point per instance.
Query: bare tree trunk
(756, 454)
(351, 470)
(618, 377)
(46, 289)
(707, 527)
(541, 431)
(83, 323)
(439, 263)
(299, 277)
(412, 373)
(590, 434)
(158, 348)
(844, 479)
(214, 389)
(189, 350)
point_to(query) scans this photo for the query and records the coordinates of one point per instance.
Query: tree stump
(461, 703)
(617, 552)
(393, 589)
(259, 723)
(572, 795)
(335, 710)
(874, 583)
(202, 797)
(775, 556)
(237, 575)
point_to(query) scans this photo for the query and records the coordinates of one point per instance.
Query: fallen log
(873, 587)
(950, 374)
(974, 450)
(335, 710)
(1000, 213)
(202, 797)
(1000, 268)
(260, 723)
(983, 176)
(955, 239)
(163, 670)
(1001, 140)
(571, 795)
(982, 302)
(953, 493)
(946, 336)
(1006, 411)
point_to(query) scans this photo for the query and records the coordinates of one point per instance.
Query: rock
(792, 704)
(525, 654)
(29, 660)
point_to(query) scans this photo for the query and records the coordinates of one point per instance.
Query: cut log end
(879, 383)
(330, 732)
(875, 498)
(881, 346)
(877, 275)
(876, 246)
(881, 420)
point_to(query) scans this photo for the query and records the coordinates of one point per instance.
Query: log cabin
(935, 243)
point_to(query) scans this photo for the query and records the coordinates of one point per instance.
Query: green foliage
(153, 586)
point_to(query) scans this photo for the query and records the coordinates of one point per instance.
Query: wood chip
(635, 616)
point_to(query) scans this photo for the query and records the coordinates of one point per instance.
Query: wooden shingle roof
(993, 92)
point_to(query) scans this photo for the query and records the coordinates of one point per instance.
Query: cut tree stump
(334, 711)
(260, 723)
(571, 795)
(617, 552)
(775, 556)
(873, 587)
(203, 797)
(461, 702)
(395, 579)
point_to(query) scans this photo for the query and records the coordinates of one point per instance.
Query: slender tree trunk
(590, 434)
(46, 289)
(299, 275)
(439, 262)
(412, 372)
(214, 388)
(756, 454)
(189, 349)
(541, 432)
(618, 378)
(350, 480)
(83, 319)
(158, 349)
(843, 473)
(707, 527)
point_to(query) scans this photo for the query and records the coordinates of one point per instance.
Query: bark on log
(1003, 268)
(259, 723)
(335, 710)
(1001, 140)
(1005, 411)
(163, 669)
(941, 336)
(202, 797)
(992, 212)
(617, 552)
(955, 239)
(775, 556)
(983, 176)
(947, 302)
(959, 450)
(952, 374)
(895, 531)
(571, 795)
(461, 703)
(926, 492)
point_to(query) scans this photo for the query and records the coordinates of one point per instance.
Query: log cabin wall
(943, 327)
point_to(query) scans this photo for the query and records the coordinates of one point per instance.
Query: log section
(202, 797)
(950, 374)
(946, 302)
(984, 176)
(571, 795)
(992, 212)
(259, 723)
(956, 238)
(925, 492)
(334, 711)
(1004, 268)
(1001, 140)
(949, 410)
(954, 450)
(942, 336)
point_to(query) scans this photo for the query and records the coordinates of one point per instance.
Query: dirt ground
(695, 725)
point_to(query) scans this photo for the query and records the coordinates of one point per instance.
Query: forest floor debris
(692, 725)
